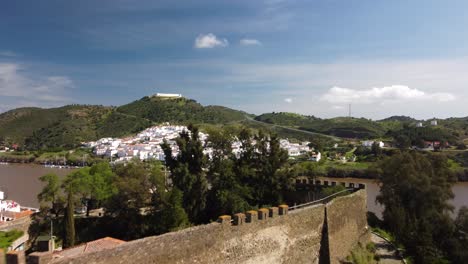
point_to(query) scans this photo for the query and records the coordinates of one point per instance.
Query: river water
(20, 182)
(460, 191)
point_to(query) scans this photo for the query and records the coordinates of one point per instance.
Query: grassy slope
(67, 126)
(19, 123)
(340, 126)
(180, 110)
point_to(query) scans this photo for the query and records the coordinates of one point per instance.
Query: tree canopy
(415, 190)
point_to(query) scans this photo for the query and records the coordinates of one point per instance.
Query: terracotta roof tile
(93, 246)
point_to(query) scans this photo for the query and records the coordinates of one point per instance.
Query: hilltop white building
(168, 95)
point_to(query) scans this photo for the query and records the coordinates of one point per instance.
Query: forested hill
(452, 130)
(339, 126)
(180, 110)
(67, 126)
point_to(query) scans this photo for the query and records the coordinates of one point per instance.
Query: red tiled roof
(93, 246)
(17, 215)
(23, 214)
(104, 243)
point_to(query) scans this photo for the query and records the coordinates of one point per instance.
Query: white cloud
(288, 100)
(382, 95)
(209, 41)
(337, 107)
(7, 53)
(250, 42)
(17, 87)
(440, 80)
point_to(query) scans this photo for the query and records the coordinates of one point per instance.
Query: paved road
(385, 251)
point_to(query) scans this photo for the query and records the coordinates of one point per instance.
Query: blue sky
(311, 57)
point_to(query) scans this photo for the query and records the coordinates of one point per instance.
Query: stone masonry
(293, 237)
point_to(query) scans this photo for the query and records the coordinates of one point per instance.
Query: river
(20, 182)
(460, 190)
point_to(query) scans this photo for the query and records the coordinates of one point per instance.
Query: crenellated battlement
(320, 232)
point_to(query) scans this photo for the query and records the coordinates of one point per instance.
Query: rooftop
(93, 246)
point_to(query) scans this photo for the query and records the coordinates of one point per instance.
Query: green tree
(376, 149)
(316, 144)
(70, 237)
(457, 249)
(461, 224)
(415, 191)
(173, 215)
(271, 181)
(245, 165)
(51, 193)
(132, 199)
(402, 141)
(99, 182)
(227, 195)
(187, 172)
(71, 187)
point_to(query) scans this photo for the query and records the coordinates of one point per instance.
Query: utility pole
(349, 110)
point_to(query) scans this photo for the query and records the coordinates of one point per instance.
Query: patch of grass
(350, 165)
(390, 237)
(332, 190)
(363, 255)
(384, 234)
(7, 238)
(453, 165)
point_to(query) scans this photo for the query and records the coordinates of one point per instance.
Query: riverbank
(366, 170)
(460, 190)
(71, 158)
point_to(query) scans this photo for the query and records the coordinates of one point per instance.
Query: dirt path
(385, 251)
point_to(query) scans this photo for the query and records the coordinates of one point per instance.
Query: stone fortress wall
(18, 224)
(323, 233)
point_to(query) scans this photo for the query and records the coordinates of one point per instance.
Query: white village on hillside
(147, 145)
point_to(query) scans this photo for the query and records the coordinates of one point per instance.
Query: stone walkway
(385, 251)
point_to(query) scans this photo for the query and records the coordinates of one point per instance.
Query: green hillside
(180, 110)
(16, 124)
(68, 126)
(341, 126)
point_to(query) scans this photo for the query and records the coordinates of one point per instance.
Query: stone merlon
(323, 232)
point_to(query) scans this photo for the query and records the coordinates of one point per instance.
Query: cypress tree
(70, 222)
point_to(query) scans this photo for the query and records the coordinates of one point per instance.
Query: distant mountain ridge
(67, 126)
(339, 126)
(399, 119)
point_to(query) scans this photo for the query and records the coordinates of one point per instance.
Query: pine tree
(187, 172)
